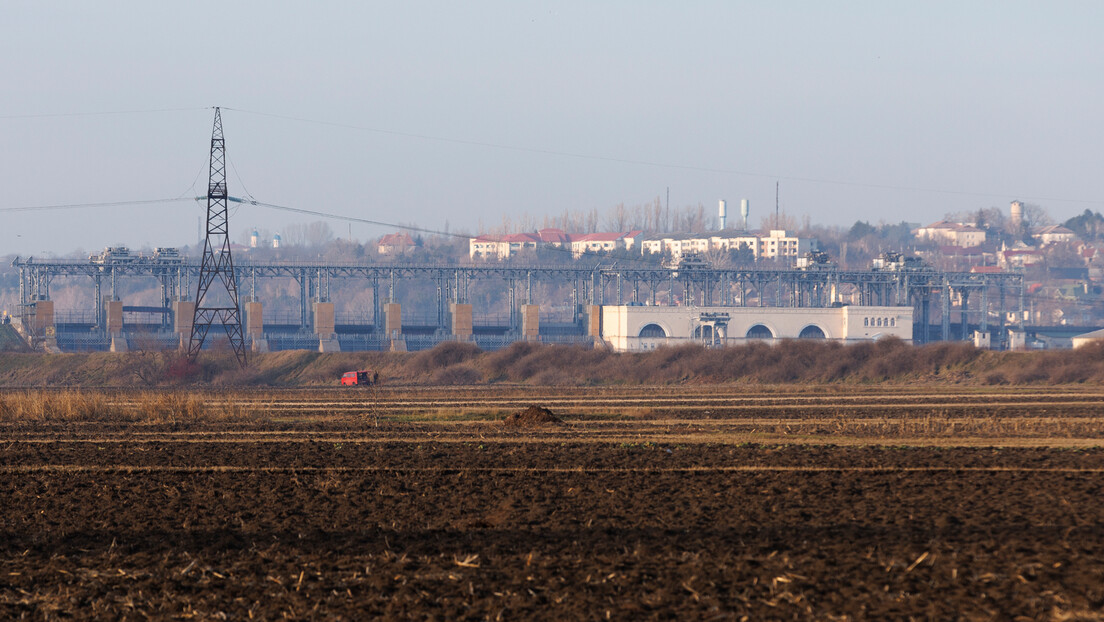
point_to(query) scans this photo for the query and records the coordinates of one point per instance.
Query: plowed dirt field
(640, 505)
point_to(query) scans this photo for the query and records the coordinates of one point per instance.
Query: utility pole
(776, 221)
(217, 268)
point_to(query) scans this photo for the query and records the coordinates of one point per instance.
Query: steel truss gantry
(594, 285)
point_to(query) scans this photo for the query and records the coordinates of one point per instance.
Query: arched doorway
(653, 330)
(812, 332)
(759, 332)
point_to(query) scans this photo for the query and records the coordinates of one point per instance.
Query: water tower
(722, 213)
(1017, 214)
(745, 209)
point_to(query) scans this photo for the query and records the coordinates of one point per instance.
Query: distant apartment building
(677, 244)
(604, 242)
(779, 243)
(964, 235)
(506, 246)
(503, 246)
(776, 244)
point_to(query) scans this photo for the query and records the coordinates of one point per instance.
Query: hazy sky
(861, 110)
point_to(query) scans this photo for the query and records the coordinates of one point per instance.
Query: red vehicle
(364, 377)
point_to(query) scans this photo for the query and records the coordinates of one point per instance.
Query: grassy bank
(464, 364)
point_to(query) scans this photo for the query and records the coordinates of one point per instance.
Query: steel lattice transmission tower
(213, 306)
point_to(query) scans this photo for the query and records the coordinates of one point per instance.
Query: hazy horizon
(440, 114)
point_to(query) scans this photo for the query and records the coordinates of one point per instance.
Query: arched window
(893, 321)
(759, 332)
(812, 332)
(866, 321)
(653, 330)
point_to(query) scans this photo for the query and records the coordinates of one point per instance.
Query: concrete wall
(114, 310)
(43, 316)
(461, 320)
(254, 319)
(594, 323)
(621, 326)
(393, 314)
(324, 319)
(530, 322)
(183, 314)
(324, 327)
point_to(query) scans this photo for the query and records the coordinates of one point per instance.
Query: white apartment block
(505, 246)
(775, 244)
(964, 235)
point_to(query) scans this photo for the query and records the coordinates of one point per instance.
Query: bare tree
(783, 221)
(618, 218)
(319, 234)
(1035, 216)
(592, 220)
(295, 234)
(698, 223)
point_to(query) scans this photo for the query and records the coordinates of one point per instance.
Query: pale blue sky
(862, 110)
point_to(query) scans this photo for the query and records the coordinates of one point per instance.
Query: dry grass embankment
(801, 362)
(153, 407)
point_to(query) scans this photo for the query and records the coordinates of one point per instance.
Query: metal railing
(83, 342)
(292, 342)
(492, 319)
(361, 343)
(74, 316)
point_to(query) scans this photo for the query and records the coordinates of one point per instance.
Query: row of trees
(654, 217)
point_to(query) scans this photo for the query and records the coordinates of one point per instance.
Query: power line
(35, 208)
(380, 223)
(667, 165)
(356, 219)
(47, 115)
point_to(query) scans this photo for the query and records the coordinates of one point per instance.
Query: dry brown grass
(796, 363)
(54, 407)
(146, 407)
(1058, 416)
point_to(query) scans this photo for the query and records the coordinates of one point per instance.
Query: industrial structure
(922, 302)
(636, 328)
(625, 304)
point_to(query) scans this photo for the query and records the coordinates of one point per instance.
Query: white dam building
(628, 328)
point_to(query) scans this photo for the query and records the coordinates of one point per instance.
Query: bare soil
(531, 417)
(468, 521)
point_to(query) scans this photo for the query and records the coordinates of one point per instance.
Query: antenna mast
(776, 219)
(218, 265)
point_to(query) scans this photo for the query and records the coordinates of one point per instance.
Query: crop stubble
(340, 517)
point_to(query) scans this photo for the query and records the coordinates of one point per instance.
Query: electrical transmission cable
(36, 208)
(414, 228)
(47, 115)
